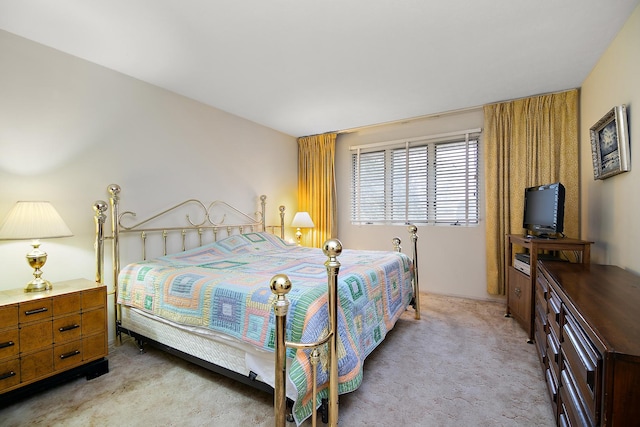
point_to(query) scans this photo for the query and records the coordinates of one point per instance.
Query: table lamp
(34, 221)
(301, 220)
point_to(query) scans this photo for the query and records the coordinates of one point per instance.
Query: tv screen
(544, 209)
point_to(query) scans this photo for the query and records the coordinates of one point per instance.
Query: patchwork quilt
(224, 286)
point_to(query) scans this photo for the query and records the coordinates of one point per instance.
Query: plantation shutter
(456, 183)
(430, 180)
(368, 186)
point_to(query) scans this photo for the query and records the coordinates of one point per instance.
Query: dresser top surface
(607, 297)
(18, 295)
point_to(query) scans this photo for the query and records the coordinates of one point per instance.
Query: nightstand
(51, 336)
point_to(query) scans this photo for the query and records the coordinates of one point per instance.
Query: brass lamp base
(38, 285)
(36, 259)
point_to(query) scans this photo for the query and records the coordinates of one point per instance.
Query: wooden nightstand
(52, 336)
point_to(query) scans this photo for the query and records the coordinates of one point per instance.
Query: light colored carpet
(463, 364)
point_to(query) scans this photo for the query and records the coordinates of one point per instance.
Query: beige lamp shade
(302, 220)
(33, 220)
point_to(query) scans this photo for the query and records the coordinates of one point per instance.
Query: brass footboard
(280, 286)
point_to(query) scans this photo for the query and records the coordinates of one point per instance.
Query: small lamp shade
(34, 221)
(302, 220)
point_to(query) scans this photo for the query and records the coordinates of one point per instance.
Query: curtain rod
(445, 113)
(412, 119)
(417, 138)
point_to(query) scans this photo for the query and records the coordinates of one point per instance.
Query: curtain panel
(527, 142)
(317, 186)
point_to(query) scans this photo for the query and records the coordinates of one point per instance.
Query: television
(544, 210)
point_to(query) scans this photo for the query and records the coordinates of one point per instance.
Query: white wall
(610, 208)
(451, 259)
(68, 128)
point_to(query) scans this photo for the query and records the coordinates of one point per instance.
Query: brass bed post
(332, 248)
(416, 286)
(99, 207)
(114, 198)
(396, 244)
(281, 208)
(413, 230)
(263, 203)
(281, 285)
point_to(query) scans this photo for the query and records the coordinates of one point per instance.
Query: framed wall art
(610, 144)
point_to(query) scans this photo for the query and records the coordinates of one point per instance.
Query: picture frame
(610, 144)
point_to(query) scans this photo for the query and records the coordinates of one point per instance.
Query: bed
(243, 302)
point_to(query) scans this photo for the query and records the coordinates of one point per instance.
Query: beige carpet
(463, 364)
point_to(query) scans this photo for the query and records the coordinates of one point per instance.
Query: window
(420, 181)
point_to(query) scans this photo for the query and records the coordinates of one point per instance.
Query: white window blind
(428, 180)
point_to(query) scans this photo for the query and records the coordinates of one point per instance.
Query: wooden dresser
(46, 334)
(587, 333)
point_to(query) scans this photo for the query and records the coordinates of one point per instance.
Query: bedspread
(224, 286)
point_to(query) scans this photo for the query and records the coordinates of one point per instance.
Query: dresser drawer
(67, 328)
(39, 309)
(9, 343)
(94, 321)
(36, 365)
(94, 298)
(540, 335)
(555, 308)
(541, 315)
(67, 304)
(542, 284)
(571, 404)
(67, 355)
(94, 346)
(553, 351)
(9, 373)
(34, 336)
(9, 316)
(552, 385)
(581, 360)
(541, 296)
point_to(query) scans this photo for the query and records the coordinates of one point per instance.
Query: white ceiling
(311, 66)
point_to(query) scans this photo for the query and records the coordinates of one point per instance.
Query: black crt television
(544, 210)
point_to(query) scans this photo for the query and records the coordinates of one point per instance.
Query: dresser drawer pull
(36, 311)
(578, 345)
(7, 344)
(554, 307)
(69, 328)
(70, 354)
(7, 375)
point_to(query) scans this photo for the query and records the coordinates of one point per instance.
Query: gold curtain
(317, 186)
(527, 142)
